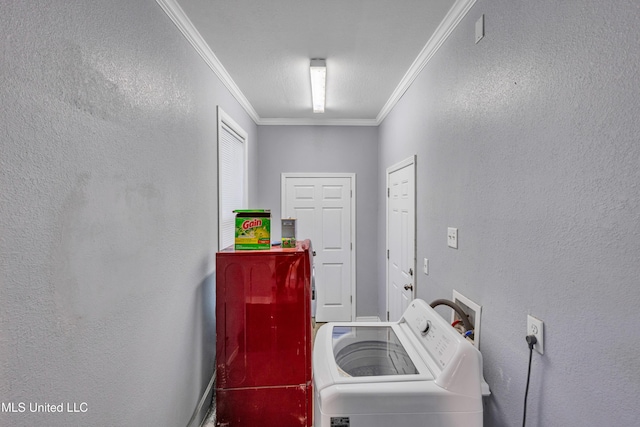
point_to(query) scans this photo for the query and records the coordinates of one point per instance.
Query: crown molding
(317, 122)
(446, 27)
(186, 27)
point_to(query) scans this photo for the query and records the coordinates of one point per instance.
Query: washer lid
(365, 351)
(368, 352)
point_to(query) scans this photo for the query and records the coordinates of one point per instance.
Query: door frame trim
(393, 168)
(352, 178)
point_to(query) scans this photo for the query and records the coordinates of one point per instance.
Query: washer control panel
(435, 335)
(423, 326)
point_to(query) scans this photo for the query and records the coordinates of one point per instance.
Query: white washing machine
(418, 371)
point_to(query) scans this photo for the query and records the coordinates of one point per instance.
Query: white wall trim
(200, 412)
(446, 27)
(186, 27)
(367, 319)
(318, 122)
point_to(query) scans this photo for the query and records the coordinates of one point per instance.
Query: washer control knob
(423, 326)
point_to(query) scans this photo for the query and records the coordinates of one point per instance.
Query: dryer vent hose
(463, 316)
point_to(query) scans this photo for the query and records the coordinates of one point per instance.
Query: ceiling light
(318, 71)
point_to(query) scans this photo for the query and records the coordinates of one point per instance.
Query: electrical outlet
(536, 327)
(452, 237)
(474, 313)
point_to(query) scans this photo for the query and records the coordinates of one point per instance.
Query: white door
(324, 206)
(401, 242)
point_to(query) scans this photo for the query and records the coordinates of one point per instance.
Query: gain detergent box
(253, 229)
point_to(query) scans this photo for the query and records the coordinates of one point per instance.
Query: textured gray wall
(529, 143)
(328, 149)
(108, 213)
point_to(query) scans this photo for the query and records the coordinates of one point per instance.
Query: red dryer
(264, 337)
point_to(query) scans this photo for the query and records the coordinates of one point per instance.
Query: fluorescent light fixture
(318, 71)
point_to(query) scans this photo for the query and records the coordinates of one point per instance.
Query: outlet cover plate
(536, 327)
(452, 237)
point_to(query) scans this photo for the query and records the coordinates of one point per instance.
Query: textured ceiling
(265, 47)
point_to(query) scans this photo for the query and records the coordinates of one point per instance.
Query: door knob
(408, 287)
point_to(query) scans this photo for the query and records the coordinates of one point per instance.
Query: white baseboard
(367, 319)
(201, 410)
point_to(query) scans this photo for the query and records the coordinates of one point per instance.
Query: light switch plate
(452, 237)
(426, 266)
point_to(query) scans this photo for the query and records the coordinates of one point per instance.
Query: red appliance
(264, 337)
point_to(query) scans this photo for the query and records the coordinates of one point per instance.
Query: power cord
(531, 340)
